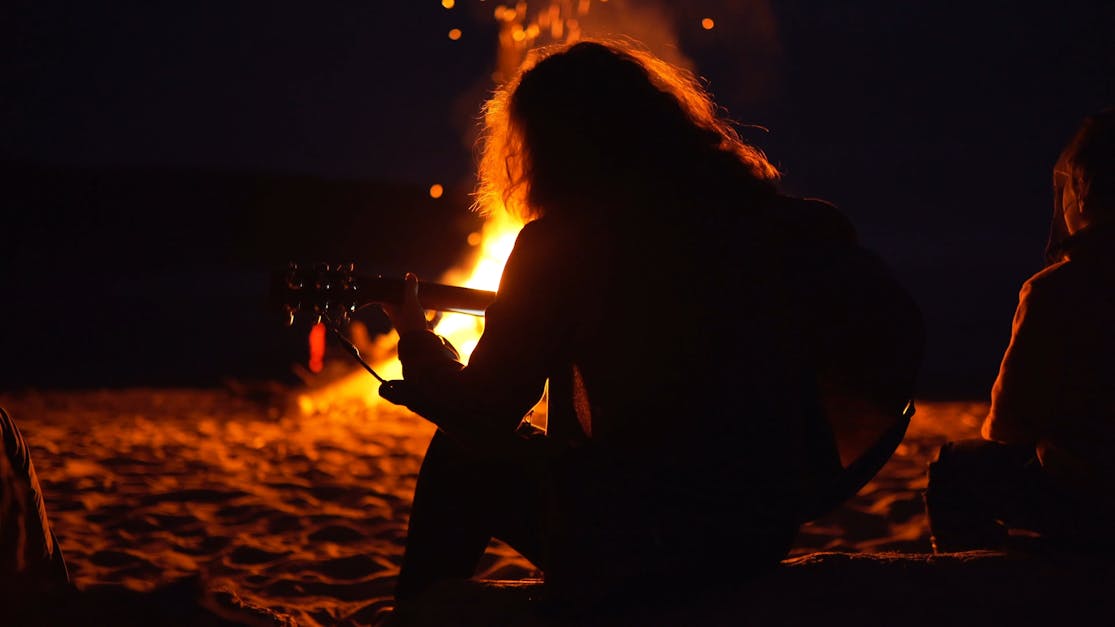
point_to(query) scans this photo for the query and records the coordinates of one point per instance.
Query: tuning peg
(294, 277)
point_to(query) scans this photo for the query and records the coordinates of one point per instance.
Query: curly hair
(592, 121)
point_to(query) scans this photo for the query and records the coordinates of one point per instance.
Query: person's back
(1046, 463)
(1063, 400)
(690, 372)
(673, 301)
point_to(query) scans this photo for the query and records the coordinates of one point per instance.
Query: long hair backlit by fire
(579, 119)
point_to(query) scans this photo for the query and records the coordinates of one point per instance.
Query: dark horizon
(177, 154)
(130, 297)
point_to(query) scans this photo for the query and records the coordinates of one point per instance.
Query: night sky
(161, 157)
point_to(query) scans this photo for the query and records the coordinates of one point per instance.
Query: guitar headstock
(335, 293)
(323, 289)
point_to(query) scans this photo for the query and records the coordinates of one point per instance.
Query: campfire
(523, 27)
(482, 270)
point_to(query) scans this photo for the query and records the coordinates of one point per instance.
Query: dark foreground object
(969, 588)
(182, 603)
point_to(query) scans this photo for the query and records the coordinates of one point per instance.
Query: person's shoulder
(815, 218)
(1051, 273)
(1073, 277)
(546, 227)
(539, 232)
(1054, 285)
(546, 241)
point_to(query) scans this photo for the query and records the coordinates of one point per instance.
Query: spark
(436, 190)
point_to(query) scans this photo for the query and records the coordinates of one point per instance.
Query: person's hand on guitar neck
(409, 318)
(406, 317)
(409, 315)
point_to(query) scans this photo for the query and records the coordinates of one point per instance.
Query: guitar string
(350, 347)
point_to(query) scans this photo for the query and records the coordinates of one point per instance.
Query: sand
(255, 511)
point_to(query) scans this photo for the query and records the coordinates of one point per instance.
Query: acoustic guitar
(866, 431)
(336, 292)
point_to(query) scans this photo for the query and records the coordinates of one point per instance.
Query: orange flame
(482, 271)
(521, 29)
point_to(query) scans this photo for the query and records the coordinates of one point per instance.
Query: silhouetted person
(1046, 462)
(36, 589)
(33, 572)
(659, 286)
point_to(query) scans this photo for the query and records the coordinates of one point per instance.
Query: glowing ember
(522, 29)
(436, 190)
(527, 25)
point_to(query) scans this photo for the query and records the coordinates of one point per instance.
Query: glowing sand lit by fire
(306, 515)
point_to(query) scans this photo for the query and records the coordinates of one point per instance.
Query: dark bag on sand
(869, 339)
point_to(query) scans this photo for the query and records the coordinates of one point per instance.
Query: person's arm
(1024, 396)
(523, 329)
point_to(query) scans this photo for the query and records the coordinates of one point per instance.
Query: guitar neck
(374, 290)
